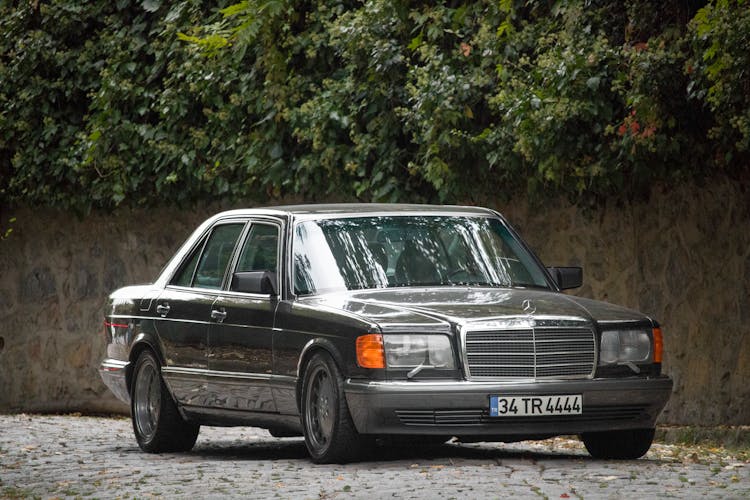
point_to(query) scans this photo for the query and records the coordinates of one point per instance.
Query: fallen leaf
(692, 458)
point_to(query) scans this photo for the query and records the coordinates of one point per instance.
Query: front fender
(319, 344)
(313, 346)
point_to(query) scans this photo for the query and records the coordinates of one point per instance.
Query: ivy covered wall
(637, 112)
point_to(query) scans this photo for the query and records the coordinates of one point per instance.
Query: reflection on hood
(439, 308)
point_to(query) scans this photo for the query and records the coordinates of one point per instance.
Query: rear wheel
(627, 444)
(330, 435)
(157, 424)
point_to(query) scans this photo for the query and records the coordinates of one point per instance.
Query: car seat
(415, 268)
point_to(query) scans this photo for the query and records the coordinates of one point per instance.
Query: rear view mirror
(567, 277)
(263, 282)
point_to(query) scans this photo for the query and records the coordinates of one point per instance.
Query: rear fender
(142, 342)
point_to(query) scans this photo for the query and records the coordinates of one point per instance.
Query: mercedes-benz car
(355, 323)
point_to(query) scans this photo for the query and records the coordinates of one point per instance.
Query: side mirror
(567, 277)
(254, 282)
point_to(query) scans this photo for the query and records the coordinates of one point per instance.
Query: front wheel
(624, 445)
(157, 424)
(330, 435)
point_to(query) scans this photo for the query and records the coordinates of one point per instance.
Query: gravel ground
(74, 457)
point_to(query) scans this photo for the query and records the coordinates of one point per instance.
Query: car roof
(314, 211)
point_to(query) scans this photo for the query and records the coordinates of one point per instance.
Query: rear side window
(206, 266)
(185, 276)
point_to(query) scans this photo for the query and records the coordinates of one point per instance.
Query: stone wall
(55, 273)
(683, 257)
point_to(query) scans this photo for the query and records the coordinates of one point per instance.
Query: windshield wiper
(415, 370)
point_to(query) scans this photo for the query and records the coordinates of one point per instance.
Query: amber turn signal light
(370, 353)
(658, 345)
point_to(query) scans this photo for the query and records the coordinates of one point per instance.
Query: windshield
(395, 251)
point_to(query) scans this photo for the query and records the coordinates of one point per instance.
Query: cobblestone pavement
(74, 456)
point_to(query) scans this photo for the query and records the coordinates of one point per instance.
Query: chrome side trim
(113, 365)
(203, 372)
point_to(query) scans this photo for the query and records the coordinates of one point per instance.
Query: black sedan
(348, 323)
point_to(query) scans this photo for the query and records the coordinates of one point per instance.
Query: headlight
(411, 350)
(621, 346)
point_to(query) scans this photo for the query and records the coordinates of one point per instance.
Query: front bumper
(455, 408)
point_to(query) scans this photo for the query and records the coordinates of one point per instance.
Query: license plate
(534, 406)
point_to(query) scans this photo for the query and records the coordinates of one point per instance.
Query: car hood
(438, 309)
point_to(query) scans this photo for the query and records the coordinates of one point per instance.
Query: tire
(623, 445)
(330, 435)
(157, 424)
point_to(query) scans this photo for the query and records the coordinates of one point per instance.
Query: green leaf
(151, 5)
(416, 42)
(506, 6)
(235, 9)
(505, 29)
(593, 83)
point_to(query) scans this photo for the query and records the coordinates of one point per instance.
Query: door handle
(218, 314)
(163, 309)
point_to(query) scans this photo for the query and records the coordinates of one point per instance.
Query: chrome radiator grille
(531, 353)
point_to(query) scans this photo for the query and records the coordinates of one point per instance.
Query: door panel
(183, 313)
(240, 356)
(240, 337)
(182, 325)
